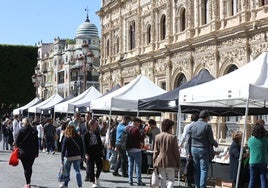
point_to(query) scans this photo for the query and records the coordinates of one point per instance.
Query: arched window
(148, 34)
(132, 36)
(107, 47)
(181, 80)
(231, 69)
(163, 27)
(204, 12)
(182, 20)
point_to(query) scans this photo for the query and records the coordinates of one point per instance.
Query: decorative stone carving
(208, 45)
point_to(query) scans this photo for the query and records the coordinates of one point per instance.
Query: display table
(221, 173)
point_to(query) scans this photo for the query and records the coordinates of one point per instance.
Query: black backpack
(125, 140)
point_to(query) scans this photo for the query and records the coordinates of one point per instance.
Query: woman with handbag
(166, 154)
(72, 153)
(27, 141)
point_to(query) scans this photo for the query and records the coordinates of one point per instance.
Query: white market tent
(250, 82)
(48, 103)
(19, 110)
(246, 87)
(126, 98)
(84, 98)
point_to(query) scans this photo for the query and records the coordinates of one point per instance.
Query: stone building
(69, 66)
(171, 41)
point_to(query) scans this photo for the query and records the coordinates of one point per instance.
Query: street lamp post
(37, 80)
(87, 59)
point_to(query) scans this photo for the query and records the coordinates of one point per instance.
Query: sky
(27, 22)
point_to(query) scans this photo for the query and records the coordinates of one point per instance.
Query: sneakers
(141, 184)
(27, 186)
(94, 185)
(62, 186)
(116, 174)
(86, 178)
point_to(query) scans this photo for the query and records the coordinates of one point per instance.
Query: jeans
(76, 166)
(113, 158)
(167, 177)
(257, 173)
(134, 157)
(50, 144)
(122, 161)
(5, 142)
(201, 165)
(40, 143)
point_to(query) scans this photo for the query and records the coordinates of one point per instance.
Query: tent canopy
(51, 109)
(84, 98)
(246, 87)
(20, 110)
(168, 102)
(232, 91)
(51, 101)
(126, 98)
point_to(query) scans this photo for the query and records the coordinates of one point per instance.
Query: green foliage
(70, 41)
(16, 69)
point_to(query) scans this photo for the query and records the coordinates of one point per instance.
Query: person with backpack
(120, 146)
(134, 152)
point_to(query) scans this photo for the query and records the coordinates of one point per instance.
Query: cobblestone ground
(45, 170)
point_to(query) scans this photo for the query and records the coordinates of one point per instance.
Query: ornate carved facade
(171, 41)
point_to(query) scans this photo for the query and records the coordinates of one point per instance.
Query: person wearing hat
(200, 143)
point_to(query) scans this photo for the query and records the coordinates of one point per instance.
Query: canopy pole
(178, 132)
(219, 129)
(242, 145)
(107, 136)
(54, 116)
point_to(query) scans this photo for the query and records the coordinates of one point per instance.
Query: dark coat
(234, 159)
(70, 149)
(88, 148)
(113, 137)
(27, 141)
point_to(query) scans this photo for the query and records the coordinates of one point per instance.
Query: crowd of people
(83, 139)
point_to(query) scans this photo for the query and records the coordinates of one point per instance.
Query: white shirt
(16, 127)
(40, 130)
(183, 137)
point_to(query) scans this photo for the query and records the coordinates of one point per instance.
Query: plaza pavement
(45, 170)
